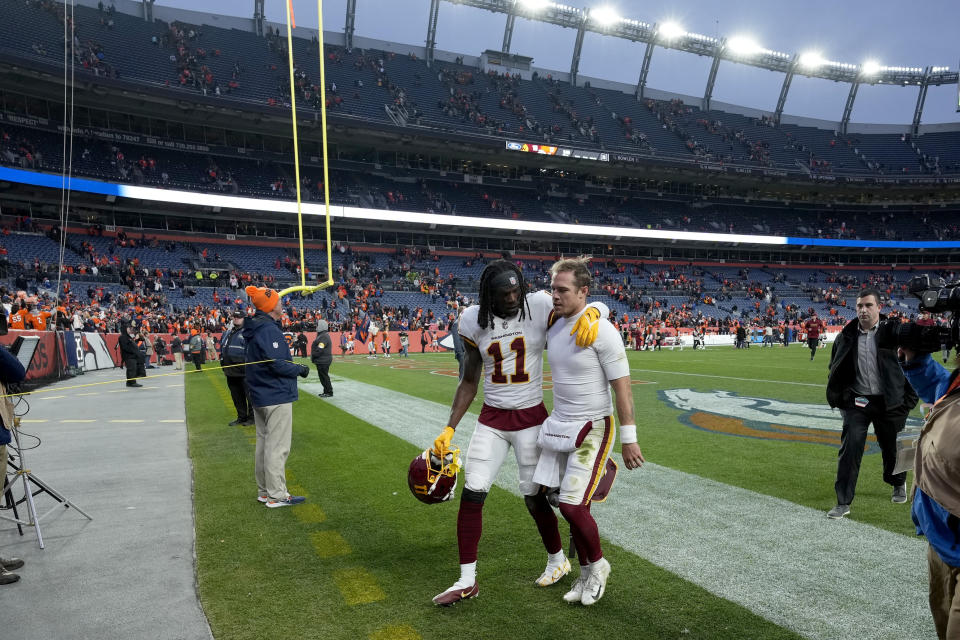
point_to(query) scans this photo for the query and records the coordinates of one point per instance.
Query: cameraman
(867, 385)
(11, 371)
(936, 484)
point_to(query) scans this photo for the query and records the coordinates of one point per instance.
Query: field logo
(727, 412)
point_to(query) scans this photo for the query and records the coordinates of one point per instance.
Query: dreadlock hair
(487, 290)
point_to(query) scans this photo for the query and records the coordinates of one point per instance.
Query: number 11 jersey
(512, 352)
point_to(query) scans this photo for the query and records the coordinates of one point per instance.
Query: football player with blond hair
(577, 437)
(504, 337)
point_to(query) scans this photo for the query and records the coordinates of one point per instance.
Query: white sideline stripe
(821, 578)
(707, 375)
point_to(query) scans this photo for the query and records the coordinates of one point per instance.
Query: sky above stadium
(851, 31)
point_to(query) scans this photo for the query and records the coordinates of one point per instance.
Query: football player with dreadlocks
(504, 338)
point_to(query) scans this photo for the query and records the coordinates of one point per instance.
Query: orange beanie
(264, 299)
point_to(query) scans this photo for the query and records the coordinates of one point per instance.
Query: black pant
(813, 343)
(323, 371)
(197, 360)
(886, 426)
(241, 400)
(135, 369)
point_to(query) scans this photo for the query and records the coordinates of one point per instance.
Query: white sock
(468, 575)
(556, 559)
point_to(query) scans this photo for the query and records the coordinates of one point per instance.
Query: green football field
(721, 535)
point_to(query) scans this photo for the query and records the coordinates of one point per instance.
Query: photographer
(11, 371)
(936, 485)
(866, 384)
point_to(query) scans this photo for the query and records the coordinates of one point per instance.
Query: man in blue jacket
(272, 383)
(10, 371)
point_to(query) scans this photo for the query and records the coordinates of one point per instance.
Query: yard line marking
(358, 586)
(396, 632)
(707, 375)
(850, 569)
(93, 393)
(329, 544)
(35, 421)
(68, 421)
(309, 513)
(51, 397)
(126, 421)
(119, 391)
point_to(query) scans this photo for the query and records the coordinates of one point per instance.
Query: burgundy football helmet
(432, 478)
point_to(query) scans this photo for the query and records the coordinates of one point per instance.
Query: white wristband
(628, 433)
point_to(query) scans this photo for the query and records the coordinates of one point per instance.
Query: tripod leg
(11, 503)
(31, 508)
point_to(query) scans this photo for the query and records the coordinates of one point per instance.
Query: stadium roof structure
(741, 50)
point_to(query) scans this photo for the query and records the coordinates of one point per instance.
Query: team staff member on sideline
(10, 371)
(813, 326)
(196, 349)
(273, 389)
(132, 356)
(233, 352)
(579, 434)
(504, 337)
(936, 498)
(176, 348)
(867, 385)
(321, 354)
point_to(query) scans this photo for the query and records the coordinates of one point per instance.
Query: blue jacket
(10, 371)
(233, 349)
(273, 382)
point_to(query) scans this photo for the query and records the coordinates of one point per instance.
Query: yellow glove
(442, 444)
(587, 327)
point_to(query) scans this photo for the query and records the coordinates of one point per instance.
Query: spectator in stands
(272, 383)
(868, 387)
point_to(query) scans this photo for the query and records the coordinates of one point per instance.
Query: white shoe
(553, 573)
(596, 583)
(576, 590)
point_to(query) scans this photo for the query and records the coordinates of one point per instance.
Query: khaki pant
(274, 429)
(944, 596)
(178, 360)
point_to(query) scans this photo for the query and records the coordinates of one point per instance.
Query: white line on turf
(821, 578)
(708, 375)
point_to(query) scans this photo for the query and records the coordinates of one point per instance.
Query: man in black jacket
(132, 357)
(867, 385)
(233, 352)
(321, 353)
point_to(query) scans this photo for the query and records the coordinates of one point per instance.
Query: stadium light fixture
(744, 45)
(670, 30)
(812, 60)
(605, 16)
(870, 68)
(535, 5)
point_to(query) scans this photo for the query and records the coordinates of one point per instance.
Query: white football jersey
(512, 352)
(581, 375)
